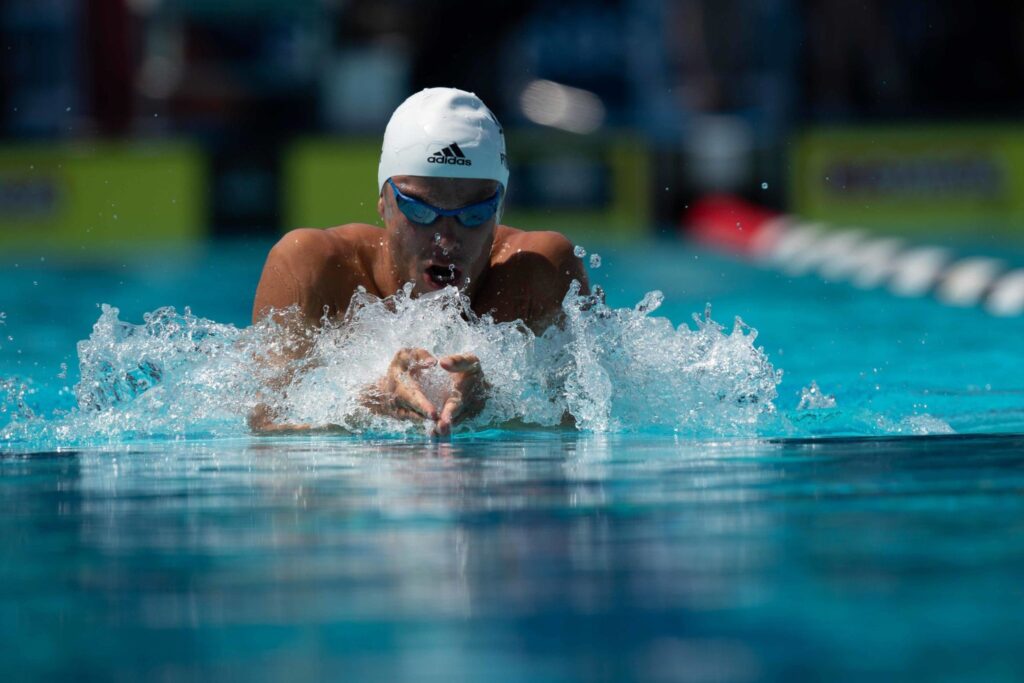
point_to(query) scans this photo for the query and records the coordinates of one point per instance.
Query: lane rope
(863, 259)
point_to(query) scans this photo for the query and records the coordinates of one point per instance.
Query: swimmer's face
(444, 252)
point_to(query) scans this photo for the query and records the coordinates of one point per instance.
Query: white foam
(812, 398)
(178, 375)
(917, 425)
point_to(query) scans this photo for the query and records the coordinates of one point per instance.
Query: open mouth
(443, 275)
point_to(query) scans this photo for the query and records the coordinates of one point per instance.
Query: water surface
(869, 530)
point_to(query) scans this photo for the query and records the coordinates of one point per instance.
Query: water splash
(14, 395)
(812, 398)
(176, 375)
(632, 371)
(603, 369)
(916, 425)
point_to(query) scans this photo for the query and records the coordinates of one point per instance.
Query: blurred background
(135, 121)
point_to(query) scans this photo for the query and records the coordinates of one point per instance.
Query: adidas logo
(451, 154)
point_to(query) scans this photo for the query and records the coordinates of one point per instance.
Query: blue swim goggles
(421, 213)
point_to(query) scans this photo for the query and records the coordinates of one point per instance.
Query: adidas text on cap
(443, 133)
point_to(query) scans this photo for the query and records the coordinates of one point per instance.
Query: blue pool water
(881, 536)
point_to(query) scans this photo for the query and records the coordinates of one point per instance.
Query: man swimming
(442, 181)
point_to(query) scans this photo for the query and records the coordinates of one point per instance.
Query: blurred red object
(727, 222)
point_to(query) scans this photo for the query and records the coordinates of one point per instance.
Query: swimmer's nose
(446, 233)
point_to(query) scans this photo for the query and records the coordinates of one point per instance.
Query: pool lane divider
(864, 259)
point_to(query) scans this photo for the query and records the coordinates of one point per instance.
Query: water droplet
(579, 252)
(764, 186)
(595, 260)
(444, 251)
(651, 302)
(437, 238)
(451, 267)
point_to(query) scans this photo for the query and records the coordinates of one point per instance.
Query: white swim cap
(443, 133)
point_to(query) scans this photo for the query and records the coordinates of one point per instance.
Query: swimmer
(442, 183)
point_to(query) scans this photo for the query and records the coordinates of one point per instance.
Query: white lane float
(835, 254)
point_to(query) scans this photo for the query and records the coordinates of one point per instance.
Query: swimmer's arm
(294, 277)
(551, 283)
(289, 292)
(553, 279)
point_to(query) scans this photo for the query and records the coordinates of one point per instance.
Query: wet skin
(511, 275)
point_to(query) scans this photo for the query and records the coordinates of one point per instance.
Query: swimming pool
(879, 536)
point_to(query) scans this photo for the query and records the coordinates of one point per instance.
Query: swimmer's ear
(380, 206)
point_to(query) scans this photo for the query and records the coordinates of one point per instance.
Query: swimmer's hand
(399, 392)
(469, 390)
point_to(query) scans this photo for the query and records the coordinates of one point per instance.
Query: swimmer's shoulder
(311, 267)
(544, 250)
(355, 236)
(529, 276)
(311, 250)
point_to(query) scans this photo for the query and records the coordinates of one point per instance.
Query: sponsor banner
(86, 196)
(579, 184)
(912, 178)
(329, 182)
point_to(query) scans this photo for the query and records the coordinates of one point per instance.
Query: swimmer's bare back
(527, 277)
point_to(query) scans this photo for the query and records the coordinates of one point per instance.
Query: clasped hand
(400, 392)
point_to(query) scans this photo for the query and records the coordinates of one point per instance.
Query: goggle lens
(421, 213)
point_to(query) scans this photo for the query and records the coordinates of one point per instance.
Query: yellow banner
(559, 182)
(78, 197)
(912, 178)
